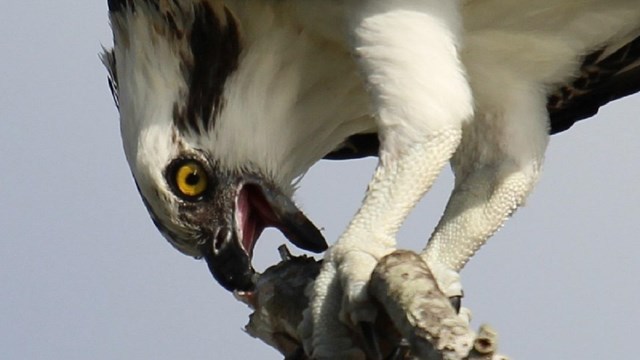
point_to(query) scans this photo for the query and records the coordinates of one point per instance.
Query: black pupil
(193, 179)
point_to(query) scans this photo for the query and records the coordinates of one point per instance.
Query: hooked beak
(249, 207)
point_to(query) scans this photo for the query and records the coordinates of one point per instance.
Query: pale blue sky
(85, 275)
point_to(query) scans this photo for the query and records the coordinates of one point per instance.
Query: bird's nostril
(221, 237)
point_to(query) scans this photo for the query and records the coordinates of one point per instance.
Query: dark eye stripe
(215, 50)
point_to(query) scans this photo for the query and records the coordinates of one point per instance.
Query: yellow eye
(191, 179)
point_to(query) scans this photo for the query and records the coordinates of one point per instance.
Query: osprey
(225, 104)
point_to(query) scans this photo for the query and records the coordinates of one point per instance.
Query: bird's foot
(448, 279)
(341, 305)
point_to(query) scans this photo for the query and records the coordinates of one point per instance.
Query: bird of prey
(225, 104)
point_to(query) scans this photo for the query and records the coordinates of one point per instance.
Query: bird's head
(170, 71)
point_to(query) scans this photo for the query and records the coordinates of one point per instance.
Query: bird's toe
(340, 303)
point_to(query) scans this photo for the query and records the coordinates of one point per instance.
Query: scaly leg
(408, 51)
(496, 167)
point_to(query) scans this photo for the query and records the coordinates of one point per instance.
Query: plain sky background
(85, 275)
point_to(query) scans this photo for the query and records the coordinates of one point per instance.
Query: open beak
(248, 208)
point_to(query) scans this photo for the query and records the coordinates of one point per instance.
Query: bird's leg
(408, 52)
(496, 167)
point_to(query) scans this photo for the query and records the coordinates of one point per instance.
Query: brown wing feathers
(601, 80)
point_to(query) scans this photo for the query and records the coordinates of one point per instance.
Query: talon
(456, 302)
(401, 352)
(371, 341)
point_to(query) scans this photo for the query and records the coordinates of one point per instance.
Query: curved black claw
(371, 341)
(456, 302)
(402, 352)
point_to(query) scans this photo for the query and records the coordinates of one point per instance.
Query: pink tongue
(245, 221)
(252, 215)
